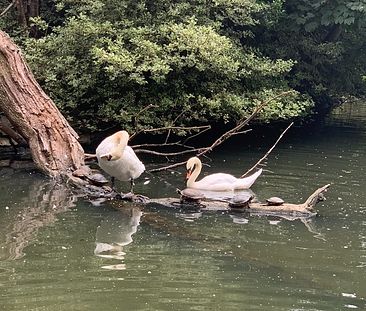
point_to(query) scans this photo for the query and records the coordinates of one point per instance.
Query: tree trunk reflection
(44, 201)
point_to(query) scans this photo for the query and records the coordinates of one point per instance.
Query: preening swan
(218, 181)
(119, 160)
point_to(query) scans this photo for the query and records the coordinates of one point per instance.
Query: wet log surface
(302, 210)
(285, 210)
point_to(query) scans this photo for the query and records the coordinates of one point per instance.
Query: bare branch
(136, 117)
(228, 134)
(90, 156)
(167, 128)
(166, 154)
(242, 132)
(157, 145)
(267, 153)
(167, 167)
(170, 131)
(11, 133)
(7, 9)
(197, 134)
(241, 124)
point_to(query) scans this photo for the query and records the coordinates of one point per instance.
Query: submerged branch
(302, 210)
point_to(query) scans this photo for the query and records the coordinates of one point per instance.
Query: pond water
(58, 252)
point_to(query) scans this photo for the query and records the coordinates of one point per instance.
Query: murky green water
(60, 253)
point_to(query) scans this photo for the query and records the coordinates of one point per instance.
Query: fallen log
(284, 210)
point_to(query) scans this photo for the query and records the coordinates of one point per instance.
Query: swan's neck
(196, 171)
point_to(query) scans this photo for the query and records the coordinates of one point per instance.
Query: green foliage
(326, 39)
(108, 60)
(312, 14)
(103, 62)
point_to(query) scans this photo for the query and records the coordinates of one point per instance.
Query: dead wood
(7, 8)
(305, 209)
(234, 131)
(6, 128)
(300, 210)
(267, 153)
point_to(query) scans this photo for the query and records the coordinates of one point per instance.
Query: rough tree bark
(54, 144)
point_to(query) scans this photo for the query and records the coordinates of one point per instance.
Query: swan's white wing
(131, 163)
(104, 147)
(127, 167)
(225, 182)
(216, 182)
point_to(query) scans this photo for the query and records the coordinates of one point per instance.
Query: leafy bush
(155, 63)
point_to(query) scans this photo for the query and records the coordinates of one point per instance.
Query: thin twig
(136, 117)
(243, 122)
(167, 167)
(166, 154)
(242, 132)
(157, 145)
(170, 131)
(7, 9)
(90, 156)
(197, 134)
(268, 152)
(201, 128)
(165, 128)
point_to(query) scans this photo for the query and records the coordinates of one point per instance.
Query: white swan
(218, 181)
(119, 160)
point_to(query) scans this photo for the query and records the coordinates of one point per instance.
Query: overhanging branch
(7, 9)
(234, 131)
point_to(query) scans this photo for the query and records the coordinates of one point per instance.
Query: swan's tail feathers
(247, 182)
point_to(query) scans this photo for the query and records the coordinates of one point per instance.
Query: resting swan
(218, 181)
(119, 160)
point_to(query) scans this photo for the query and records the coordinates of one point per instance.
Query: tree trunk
(53, 143)
(25, 10)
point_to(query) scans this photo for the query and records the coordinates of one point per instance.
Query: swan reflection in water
(115, 232)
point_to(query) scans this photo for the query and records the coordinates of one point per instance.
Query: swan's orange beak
(189, 173)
